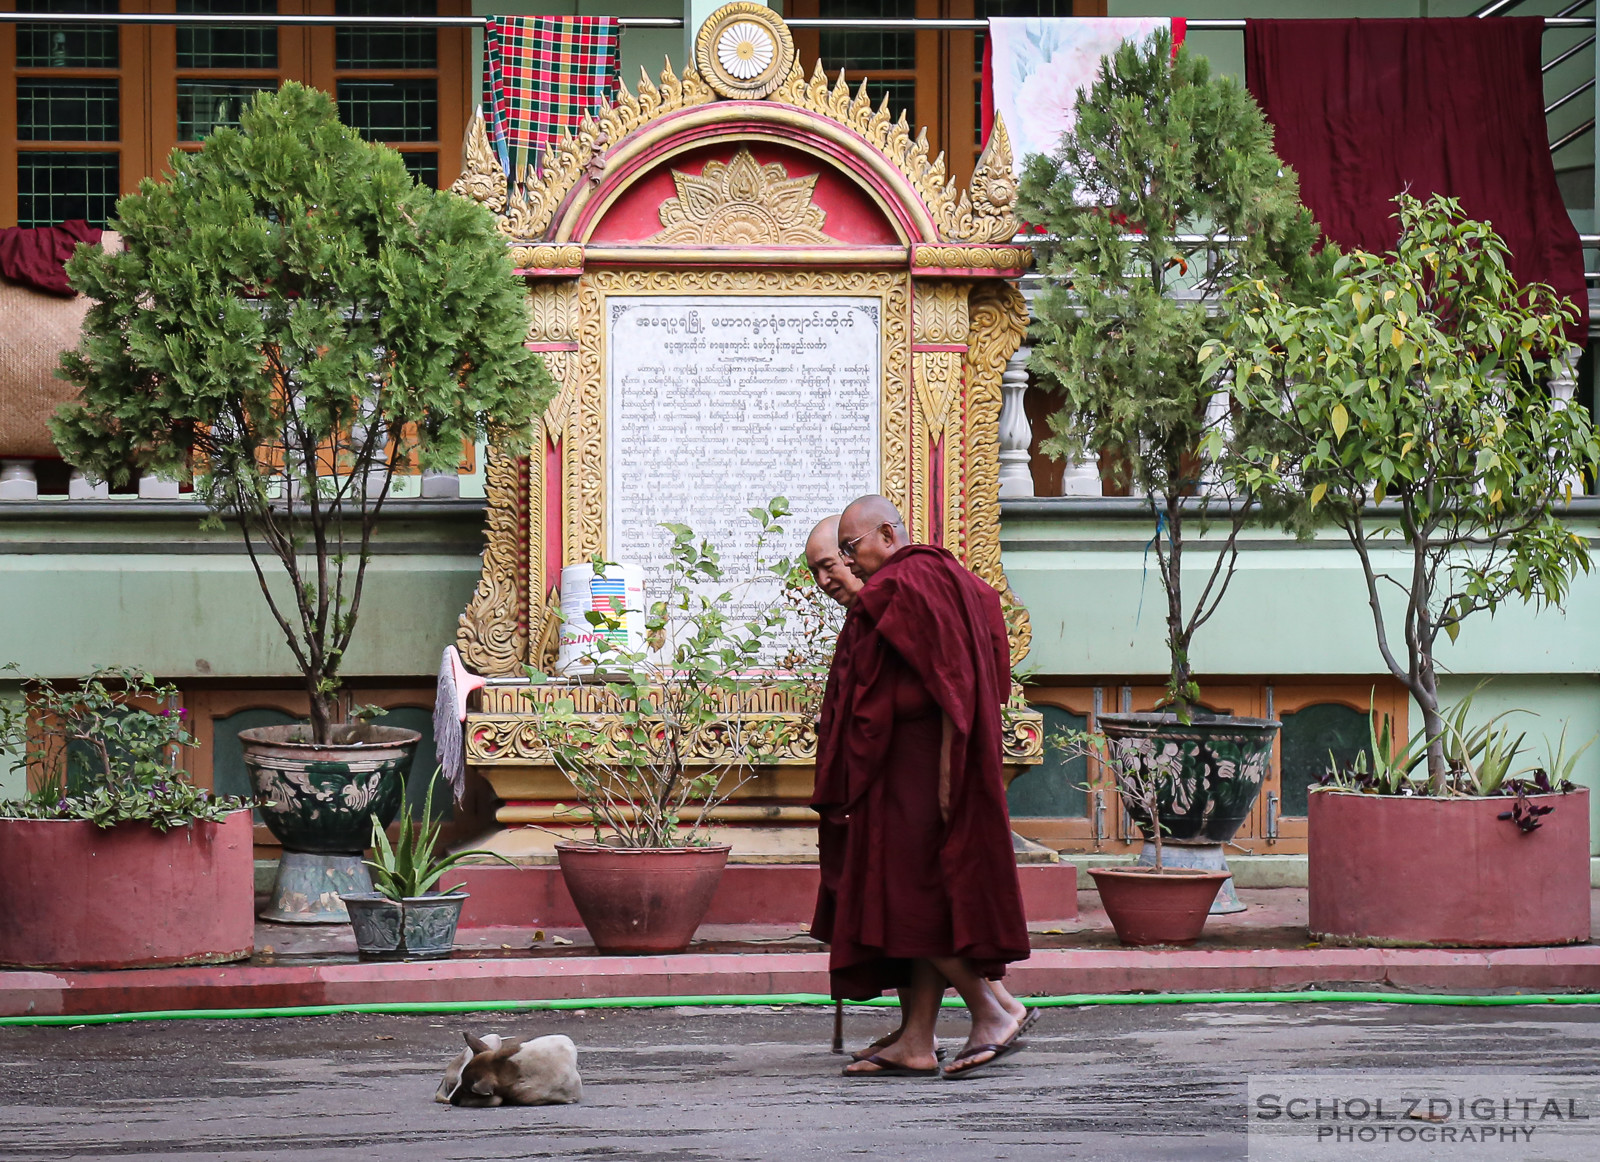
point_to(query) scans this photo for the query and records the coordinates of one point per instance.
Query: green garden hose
(784, 999)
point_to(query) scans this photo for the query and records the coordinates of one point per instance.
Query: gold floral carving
(982, 214)
(566, 256)
(986, 215)
(490, 634)
(999, 316)
(481, 178)
(783, 740)
(553, 322)
(744, 50)
(741, 203)
(585, 459)
(589, 698)
(940, 318)
(773, 718)
(944, 256)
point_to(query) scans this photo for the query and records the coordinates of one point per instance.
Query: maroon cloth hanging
(1363, 109)
(37, 255)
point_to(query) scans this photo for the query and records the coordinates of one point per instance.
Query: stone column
(1217, 416)
(153, 487)
(80, 487)
(17, 480)
(1563, 386)
(440, 485)
(1016, 433)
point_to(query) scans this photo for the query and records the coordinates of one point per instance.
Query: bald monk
(925, 890)
(833, 575)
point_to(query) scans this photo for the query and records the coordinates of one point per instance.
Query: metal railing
(848, 24)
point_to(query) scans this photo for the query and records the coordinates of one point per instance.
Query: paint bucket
(616, 590)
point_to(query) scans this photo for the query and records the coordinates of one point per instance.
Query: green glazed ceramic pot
(321, 798)
(416, 928)
(1210, 771)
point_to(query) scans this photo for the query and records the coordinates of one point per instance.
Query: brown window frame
(148, 89)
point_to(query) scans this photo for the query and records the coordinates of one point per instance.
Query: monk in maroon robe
(830, 570)
(924, 891)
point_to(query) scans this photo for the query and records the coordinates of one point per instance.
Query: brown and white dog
(495, 1070)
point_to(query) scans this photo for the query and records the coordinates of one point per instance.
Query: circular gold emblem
(744, 51)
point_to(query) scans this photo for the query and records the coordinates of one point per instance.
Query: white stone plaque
(716, 404)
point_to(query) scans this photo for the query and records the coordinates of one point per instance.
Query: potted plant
(293, 320)
(1165, 191)
(1415, 400)
(682, 729)
(408, 917)
(113, 858)
(1155, 904)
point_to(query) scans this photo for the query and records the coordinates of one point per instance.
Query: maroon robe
(924, 641)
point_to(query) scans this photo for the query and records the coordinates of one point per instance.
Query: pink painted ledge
(1049, 972)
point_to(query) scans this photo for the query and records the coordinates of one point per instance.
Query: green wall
(145, 586)
(1096, 605)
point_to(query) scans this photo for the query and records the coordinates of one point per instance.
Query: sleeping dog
(494, 1070)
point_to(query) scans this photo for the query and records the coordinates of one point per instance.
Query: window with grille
(66, 100)
(96, 108)
(388, 81)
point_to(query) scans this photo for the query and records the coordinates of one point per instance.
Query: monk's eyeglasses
(848, 548)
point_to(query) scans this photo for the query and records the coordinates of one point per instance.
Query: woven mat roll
(35, 328)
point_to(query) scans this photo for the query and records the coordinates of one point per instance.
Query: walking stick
(838, 1026)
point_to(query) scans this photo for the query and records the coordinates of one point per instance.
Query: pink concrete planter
(74, 896)
(1388, 870)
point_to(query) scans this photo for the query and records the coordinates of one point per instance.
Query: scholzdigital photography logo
(1405, 1116)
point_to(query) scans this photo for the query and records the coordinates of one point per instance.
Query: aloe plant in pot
(682, 729)
(408, 917)
(1416, 405)
(1164, 192)
(292, 322)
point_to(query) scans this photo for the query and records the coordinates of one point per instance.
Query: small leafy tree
(293, 319)
(1415, 402)
(1164, 160)
(682, 726)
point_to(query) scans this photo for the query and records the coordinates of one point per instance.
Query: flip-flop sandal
(956, 1069)
(886, 1068)
(884, 1042)
(1030, 1018)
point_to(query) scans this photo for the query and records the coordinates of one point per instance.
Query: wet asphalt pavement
(1157, 1082)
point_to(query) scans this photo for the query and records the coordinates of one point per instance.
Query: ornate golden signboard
(743, 178)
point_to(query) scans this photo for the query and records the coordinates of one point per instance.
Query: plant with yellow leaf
(1417, 404)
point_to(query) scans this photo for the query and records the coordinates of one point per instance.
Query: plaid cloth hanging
(543, 75)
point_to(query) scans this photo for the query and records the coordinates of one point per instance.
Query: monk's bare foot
(898, 1055)
(879, 1045)
(1013, 1007)
(996, 1032)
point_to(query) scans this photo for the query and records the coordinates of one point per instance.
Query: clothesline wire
(861, 24)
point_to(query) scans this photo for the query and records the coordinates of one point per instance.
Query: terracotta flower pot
(641, 899)
(75, 896)
(320, 798)
(1147, 906)
(1446, 872)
